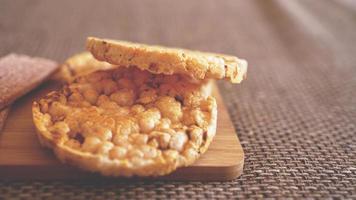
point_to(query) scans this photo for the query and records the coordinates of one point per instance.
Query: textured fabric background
(295, 115)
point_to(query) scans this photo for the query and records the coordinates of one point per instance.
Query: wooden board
(22, 157)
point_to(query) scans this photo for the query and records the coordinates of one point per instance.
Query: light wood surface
(22, 157)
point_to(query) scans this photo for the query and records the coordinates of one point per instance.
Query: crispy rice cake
(163, 60)
(78, 65)
(124, 122)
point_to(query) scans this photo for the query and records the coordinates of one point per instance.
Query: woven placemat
(295, 115)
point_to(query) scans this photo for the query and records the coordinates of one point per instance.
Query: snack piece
(3, 115)
(124, 122)
(20, 74)
(163, 60)
(79, 64)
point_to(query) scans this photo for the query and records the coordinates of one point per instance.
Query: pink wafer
(19, 74)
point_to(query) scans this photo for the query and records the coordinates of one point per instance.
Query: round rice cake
(78, 65)
(163, 60)
(124, 122)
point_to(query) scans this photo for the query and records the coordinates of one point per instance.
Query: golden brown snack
(124, 122)
(163, 60)
(79, 64)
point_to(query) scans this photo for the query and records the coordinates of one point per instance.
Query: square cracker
(19, 74)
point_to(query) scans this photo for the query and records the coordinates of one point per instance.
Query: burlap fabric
(295, 115)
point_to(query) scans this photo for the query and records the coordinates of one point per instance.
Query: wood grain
(23, 158)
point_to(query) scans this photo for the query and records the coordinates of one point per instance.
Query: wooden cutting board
(22, 157)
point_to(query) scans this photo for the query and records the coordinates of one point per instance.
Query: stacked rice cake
(128, 119)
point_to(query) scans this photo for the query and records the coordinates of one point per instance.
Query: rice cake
(78, 65)
(124, 122)
(164, 60)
